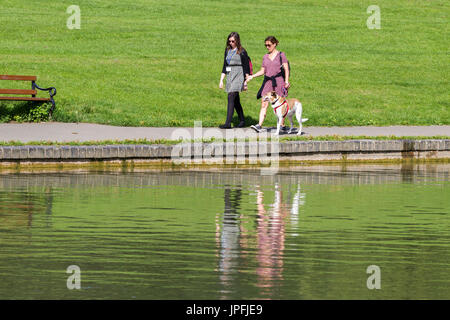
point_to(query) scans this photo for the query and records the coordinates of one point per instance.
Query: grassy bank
(153, 63)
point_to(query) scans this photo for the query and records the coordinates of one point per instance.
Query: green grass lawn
(158, 63)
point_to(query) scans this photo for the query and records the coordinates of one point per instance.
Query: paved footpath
(73, 132)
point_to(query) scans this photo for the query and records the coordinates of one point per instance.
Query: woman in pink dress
(273, 79)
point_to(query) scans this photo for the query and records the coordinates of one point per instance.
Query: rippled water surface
(305, 233)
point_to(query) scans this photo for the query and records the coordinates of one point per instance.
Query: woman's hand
(222, 76)
(248, 78)
(287, 85)
(258, 74)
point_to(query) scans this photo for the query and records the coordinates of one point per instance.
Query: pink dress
(271, 69)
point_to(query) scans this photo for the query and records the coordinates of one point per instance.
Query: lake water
(309, 232)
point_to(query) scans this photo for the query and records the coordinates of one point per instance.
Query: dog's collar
(276, 101)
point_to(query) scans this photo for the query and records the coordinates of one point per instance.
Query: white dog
(283, 108)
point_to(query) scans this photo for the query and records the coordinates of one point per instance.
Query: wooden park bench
(26, 95)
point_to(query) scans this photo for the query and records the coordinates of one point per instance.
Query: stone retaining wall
(298, 150)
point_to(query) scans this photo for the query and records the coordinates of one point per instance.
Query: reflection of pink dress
(271, 69)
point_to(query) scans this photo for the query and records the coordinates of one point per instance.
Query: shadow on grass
(248, 121)
(20, 111)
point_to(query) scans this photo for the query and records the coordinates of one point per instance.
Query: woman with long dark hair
(236, 69)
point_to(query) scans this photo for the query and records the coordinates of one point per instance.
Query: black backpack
(283, 72)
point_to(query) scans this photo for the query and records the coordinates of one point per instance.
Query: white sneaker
(257, 128)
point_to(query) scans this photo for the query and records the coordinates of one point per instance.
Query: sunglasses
(268, 44)
(231, 41)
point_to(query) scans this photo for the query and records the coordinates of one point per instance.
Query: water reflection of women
(229, 237)
(270, 240)
(234, 242)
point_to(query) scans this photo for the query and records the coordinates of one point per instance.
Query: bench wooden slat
(24, 99)
(12, 77)
(17, 91)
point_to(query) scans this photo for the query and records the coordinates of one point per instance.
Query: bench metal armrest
(51, 91)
